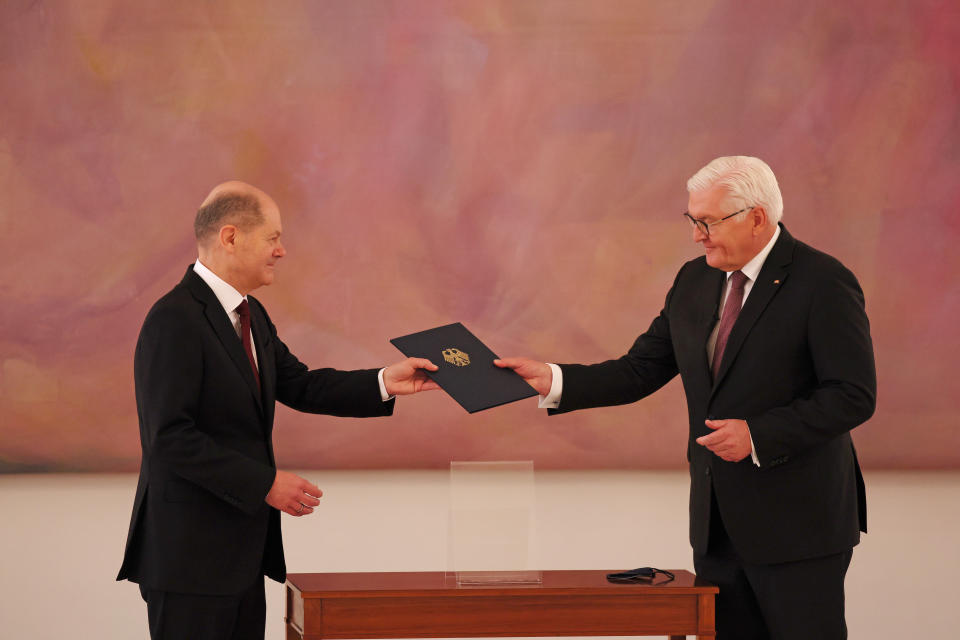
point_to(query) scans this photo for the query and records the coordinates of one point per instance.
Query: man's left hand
(730, 439)
(408, 376)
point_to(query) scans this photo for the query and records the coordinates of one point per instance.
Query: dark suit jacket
(798, 367)
(200, 524)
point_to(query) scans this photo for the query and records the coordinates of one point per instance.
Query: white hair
(748, 180)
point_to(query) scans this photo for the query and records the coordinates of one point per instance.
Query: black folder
(466, 370)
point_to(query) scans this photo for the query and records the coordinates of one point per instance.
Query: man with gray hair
(772, 343)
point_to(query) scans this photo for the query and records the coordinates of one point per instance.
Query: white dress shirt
(229, 298)
(751, 270)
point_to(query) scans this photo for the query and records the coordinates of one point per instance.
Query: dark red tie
(243, 310)
(731, 309)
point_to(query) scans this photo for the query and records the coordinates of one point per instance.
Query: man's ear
(758, 218)
(228, 237)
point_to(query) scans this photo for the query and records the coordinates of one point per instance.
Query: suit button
(708, 471)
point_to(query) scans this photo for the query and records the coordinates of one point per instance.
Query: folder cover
(466, 370)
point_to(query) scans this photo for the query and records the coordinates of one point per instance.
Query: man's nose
(698, 234)
(280, 251)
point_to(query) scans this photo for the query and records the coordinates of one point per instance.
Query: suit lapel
(265, 358)
(225, 331)
(708, 315)
(771, 277)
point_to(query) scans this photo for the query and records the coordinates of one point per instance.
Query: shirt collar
(752, 268)
(226, 294)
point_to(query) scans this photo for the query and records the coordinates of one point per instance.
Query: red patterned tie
(731, 309)
(243, 310)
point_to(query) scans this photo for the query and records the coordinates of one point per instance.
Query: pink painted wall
(517, 166)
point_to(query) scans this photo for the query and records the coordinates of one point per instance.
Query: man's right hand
(538, 375)
(292, 494)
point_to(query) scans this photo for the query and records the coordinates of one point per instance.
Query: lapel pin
(776, 282)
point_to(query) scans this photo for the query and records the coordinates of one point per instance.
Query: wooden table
(431, 605)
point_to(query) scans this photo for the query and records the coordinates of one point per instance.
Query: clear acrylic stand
(491, 523)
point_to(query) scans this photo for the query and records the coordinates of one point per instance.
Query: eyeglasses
(705, 226)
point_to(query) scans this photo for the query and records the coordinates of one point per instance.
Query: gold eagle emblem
(456, 357)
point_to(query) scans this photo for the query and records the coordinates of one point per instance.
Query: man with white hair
(772, 342)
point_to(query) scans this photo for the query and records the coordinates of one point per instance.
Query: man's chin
(717, 262)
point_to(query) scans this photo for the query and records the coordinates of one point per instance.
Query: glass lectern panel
(491, 523)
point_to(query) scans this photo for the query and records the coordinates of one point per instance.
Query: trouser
(786, 601)
(182, 616)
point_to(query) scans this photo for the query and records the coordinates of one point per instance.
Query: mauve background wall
(517, 166)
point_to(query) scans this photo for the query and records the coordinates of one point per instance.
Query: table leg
(707, 616)
(292, 633)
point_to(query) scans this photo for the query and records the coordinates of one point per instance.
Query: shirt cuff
(753, 449)
(383, 388)
(552, 399)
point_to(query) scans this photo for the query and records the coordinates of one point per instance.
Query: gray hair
(240, 209)
(749, 181)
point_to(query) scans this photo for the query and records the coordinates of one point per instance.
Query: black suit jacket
(200, 524)
(798, 367)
